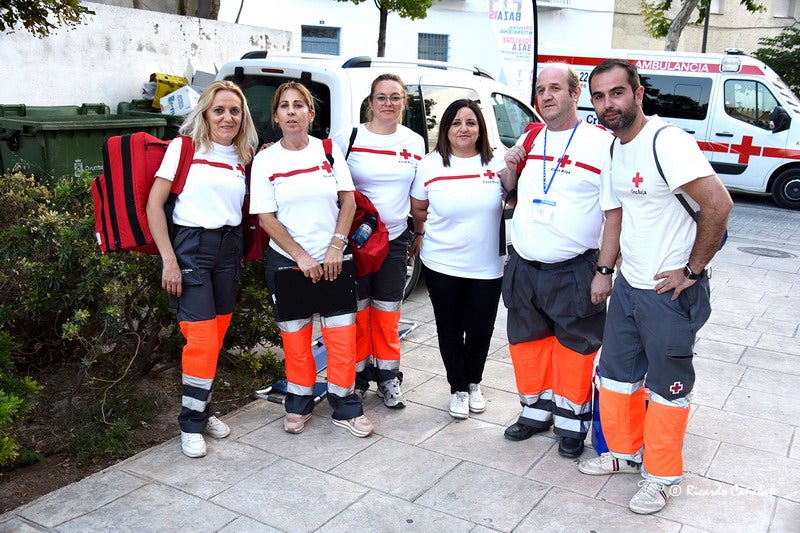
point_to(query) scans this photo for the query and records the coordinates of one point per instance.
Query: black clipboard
(296, 296)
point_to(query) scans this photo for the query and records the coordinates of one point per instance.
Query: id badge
(543, 210)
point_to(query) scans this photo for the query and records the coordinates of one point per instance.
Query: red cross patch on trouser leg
(676, 387)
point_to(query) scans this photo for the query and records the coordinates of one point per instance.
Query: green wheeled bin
(59, 143)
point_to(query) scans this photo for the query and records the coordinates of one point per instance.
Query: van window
(259, 91)
(511, 116)
(749, 101)
(676, 96)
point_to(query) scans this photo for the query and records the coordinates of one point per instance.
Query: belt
(588, 254)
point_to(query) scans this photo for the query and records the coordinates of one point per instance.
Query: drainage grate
(767, 252)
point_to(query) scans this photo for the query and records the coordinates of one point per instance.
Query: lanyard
(547, 184)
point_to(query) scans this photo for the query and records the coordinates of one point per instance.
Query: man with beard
(556, 282)
(661, 295)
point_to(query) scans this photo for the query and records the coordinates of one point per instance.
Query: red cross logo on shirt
(489, 174)
(405, 153)
(564, 161)
(326, 166)
(746, 149)
(676, 387)
(637, 179)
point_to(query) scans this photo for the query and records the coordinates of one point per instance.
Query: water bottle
(363, 232)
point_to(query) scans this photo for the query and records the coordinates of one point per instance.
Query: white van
(744, 117)
(341, 87)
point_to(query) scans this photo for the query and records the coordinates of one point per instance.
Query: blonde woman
(202, 258)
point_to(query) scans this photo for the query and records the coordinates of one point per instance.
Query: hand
(673, 280)
(601, 287)
(415, 246)
(171, 279)
(311, 269)
(332, 264)
(514, 156)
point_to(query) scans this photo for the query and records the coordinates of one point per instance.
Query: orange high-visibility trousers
(363, 335)
(532, 367)
(200, 353)
(301, 370)
(664, 431)
(622, 417)
(341, 344)
(385, 337)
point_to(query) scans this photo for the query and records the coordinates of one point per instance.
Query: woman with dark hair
(382, 155)
(456, 203)
(306, 205)
(202, 258)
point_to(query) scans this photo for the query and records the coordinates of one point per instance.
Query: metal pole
(535, 52)
(705, 27)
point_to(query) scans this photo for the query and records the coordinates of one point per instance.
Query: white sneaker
(193, 444)
(476, 402)
(359, 426)
(651, 498)
(216, 428)
(392, 395)
(607, 464)
(459, 405)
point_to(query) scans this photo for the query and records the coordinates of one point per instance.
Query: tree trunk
(676, 28)
(382, 30)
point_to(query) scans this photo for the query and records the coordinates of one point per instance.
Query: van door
(744, 158)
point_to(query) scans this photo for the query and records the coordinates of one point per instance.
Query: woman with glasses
(456, 202)
(382, 155)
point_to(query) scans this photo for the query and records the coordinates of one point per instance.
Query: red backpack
(370, 257)
(120, 194)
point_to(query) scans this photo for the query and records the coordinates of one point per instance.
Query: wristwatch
(341, 237)
(687, 270)
(604, 270)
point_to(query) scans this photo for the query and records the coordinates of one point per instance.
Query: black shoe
(569, 447)
(520, 431)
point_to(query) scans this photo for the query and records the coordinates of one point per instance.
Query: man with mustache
(661, 295)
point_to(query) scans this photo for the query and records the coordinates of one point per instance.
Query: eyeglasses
(382, 99)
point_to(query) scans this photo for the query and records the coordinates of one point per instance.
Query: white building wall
(472, 42)
(108, 59)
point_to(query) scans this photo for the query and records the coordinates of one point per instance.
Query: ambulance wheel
(786, 189)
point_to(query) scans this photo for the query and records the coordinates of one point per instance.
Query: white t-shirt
(566, 220)
(301, 188)
(462, 232)
(215, 186)
(657, 232)
(383, 168)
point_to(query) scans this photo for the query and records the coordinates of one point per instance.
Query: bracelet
(604, 270)
(336, 247)
(418, 234)
(341, 237)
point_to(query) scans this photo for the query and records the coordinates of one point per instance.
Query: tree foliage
(41, 17)
(410, 9)
(782, 53)
(659, 26)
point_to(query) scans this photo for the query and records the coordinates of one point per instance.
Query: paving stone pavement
(425, 471)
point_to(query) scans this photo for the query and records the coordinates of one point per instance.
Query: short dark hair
(627, 66)
(449, 115)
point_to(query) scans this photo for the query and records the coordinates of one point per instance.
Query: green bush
(63, 301)
(16, 397)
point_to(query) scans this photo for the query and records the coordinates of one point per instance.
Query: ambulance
(744, 117)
